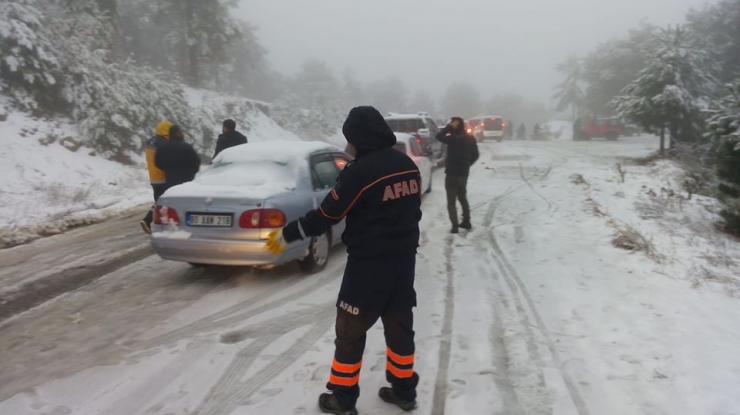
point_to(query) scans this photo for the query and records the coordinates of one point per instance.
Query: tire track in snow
(227, 317)
(439, 399)
(523, 298)
(229, 392)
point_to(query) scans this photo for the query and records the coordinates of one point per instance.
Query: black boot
(466, 225)
(454, 229)
(329, 404)
(387, 395)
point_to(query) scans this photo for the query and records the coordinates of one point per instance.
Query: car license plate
(216, 221)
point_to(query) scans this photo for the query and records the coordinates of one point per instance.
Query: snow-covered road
(533, 312)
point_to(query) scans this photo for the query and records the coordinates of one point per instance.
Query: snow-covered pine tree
(29, 71)
(569, 93)
(724, 126)
(670, 93)
(115, 104)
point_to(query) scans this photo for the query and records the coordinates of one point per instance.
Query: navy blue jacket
(379, 194)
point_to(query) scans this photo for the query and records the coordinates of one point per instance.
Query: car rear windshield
(406, 125)
(493, 124)
(400, 147)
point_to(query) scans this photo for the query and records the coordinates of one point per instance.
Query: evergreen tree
(670, 92)
(724, 126)
(718, 25)
(569, 93)
(614, 65)
(29, 71)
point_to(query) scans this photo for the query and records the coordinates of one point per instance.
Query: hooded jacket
(462, 150)
(379, 194)
(179, 161)
(161, 135)
(229, 139)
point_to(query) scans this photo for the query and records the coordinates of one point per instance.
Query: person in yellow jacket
(156, 176)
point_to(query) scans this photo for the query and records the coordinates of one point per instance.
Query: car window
(406, 125)
(493, 124)
(400, 147)
(431, 124)
(416, 149)
(324, 172)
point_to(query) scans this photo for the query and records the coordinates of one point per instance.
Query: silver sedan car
(225, 215)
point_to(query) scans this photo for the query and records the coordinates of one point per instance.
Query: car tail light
(164, 215)
(503, 125)
(262, 218)
(419, 140)
(470, 130)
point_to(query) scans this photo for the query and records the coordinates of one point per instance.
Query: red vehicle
(609, 128)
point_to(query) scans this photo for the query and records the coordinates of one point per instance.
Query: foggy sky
(500, 45)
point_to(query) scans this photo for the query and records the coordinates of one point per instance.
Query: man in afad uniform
(379, 194)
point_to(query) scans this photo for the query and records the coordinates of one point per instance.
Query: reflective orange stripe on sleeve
(340, 381)
(401, 360)
(344, 368)
(399, 373)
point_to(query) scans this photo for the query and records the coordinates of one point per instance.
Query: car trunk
(215, 217)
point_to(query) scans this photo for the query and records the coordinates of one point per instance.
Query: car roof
(275, 150)
(394, 116)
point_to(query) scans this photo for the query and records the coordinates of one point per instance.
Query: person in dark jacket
(229, 138)
(462, 152)
(178, 159)
(379, 194)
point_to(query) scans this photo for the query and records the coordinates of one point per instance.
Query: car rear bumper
(493, 134)
(223, 252)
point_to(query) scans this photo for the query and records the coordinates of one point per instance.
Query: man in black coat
(379, 194)
(462, 152)
(178, 159)
(229, 138)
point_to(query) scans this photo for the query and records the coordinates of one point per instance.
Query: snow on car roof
(277, 151)
(255, 170)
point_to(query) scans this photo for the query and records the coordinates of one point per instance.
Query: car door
(422, 162)
(325, 168)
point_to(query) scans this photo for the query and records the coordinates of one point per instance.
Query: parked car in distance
(421, 125)
(225, 215)
(487, 127)
(412, 147)
(609, 128)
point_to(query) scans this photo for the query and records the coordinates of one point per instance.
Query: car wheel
(196, 265)
(318, 254)
(498, 140)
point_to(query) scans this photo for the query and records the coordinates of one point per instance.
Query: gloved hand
(276, 242)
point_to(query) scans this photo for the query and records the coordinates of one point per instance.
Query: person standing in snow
(462, 153)
(229, 138)
(178, 159)
(379, 194)
(156, 175)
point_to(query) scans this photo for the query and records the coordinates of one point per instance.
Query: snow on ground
(535, 311)
(47, 187)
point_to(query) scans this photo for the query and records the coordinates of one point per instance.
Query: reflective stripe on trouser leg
(399, 367)
(344, 375)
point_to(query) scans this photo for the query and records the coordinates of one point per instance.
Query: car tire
(318, 254)
(498, 140)
(196, 265)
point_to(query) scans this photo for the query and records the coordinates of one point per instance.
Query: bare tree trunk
(662, 141)
(193, 65)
